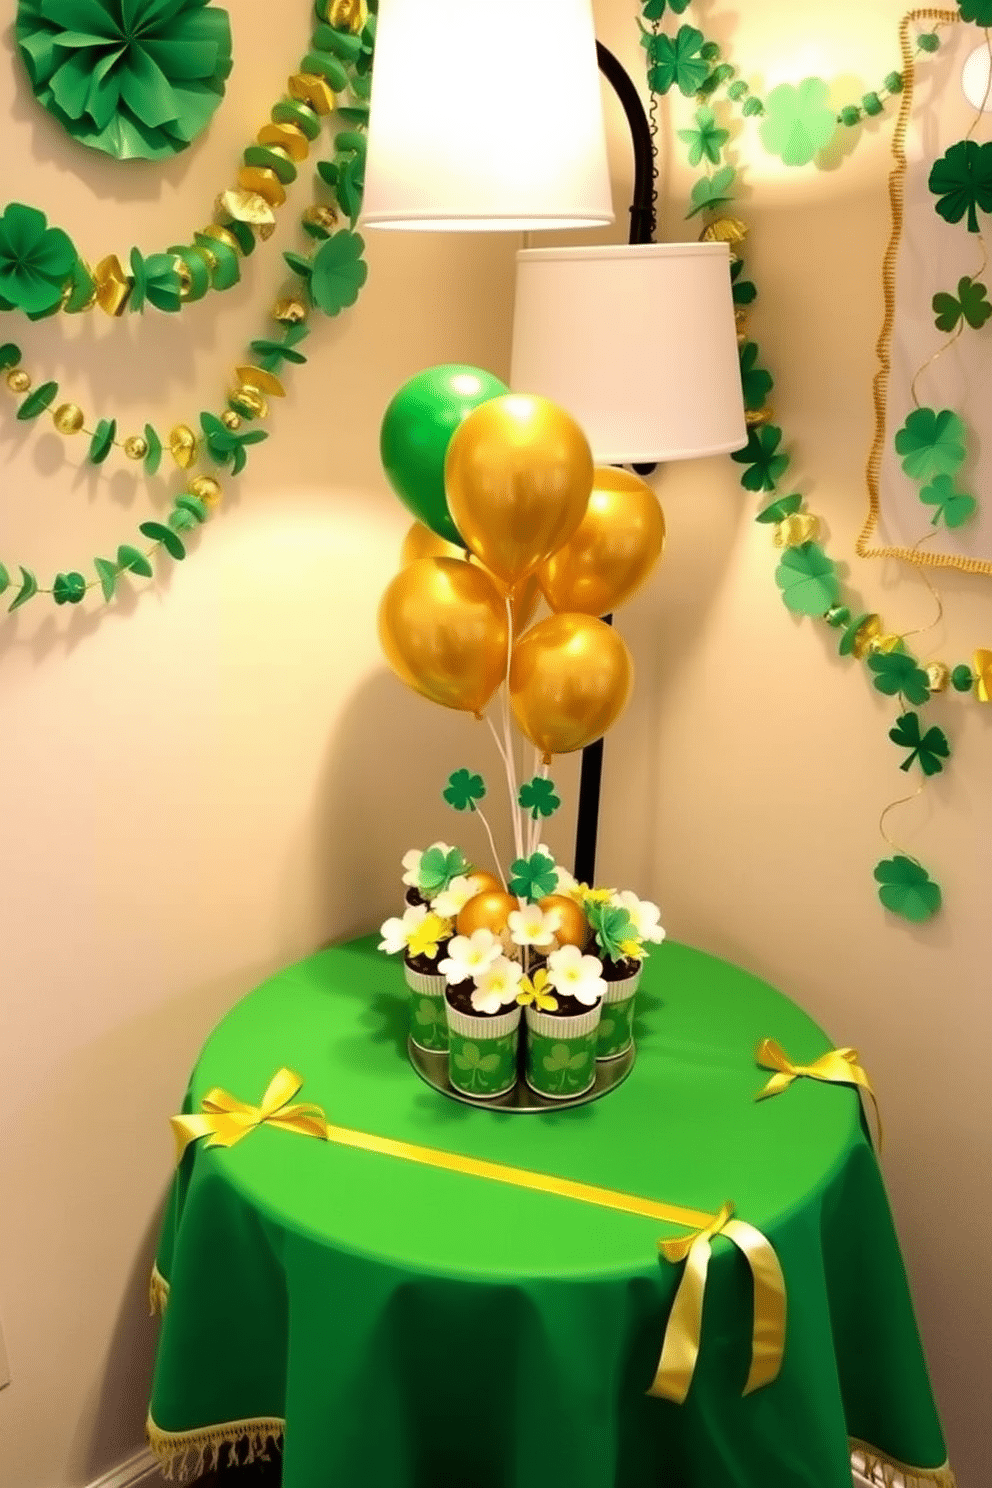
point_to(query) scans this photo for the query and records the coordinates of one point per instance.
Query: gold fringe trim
(158, 1293)
(879, 1468)
(880, 385)
(184, 1455)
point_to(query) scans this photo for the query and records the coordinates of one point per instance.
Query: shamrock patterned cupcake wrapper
(428, 1023)
(561, 1053)
(616, 1028)
(482, 1052)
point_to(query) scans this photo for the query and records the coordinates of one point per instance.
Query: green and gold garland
(35, 279)
(796, 125)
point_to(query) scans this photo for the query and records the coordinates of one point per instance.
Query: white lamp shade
(486, 114)
(638, 343)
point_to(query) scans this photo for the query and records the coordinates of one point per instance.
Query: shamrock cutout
(971, 305)
(955, 507)
(270, 355)
(930, 748)
(336, 272)
(35, 262)
(962, 181)
(655, 9)
(808, 580)
(676, 61)
(760, 455)
(538, 797)
(756, 383)
(226, 444)
(712, 192)
(932, 443)
(907, 889)
(438, 868)
(69, 588)
(897, 672)
(799, 121)
(568, 1065)
(614, 929)
(472, 1063)
(533, 878)
(706, 140)
(463, 790)
(979, 11)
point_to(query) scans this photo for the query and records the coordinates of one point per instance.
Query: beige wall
(213, 776)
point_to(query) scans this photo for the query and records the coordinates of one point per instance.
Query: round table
(419, 1328)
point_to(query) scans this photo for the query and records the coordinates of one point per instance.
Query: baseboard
(143, 1467)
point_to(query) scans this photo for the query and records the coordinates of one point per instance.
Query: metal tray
(433, 1068)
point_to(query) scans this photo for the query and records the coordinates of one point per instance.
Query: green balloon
(417, 429)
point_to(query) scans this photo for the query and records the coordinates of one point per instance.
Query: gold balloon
(573, 928)
(421, 542)
(614, 548)
(489, 911)
(517, 473)
(487, 883)
(570, 678)
(442, 625)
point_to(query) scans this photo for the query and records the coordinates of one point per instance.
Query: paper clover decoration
(138, 79)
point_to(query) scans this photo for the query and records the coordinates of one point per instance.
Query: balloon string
(492, 844)
(534, 830)
(508, 760)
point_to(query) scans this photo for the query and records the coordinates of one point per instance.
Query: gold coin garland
(332, 277)
(806, 576)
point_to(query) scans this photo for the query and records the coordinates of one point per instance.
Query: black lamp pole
(642, 227)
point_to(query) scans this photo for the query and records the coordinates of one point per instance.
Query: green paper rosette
(36, 262)
(138, 79)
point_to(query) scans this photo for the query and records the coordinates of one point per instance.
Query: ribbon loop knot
(836, 1067)
(225, 1119)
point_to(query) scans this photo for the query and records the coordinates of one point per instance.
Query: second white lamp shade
(486, 114)
(637, 343)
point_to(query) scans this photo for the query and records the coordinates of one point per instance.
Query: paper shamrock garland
(799, 121)
(35, 262)
(961, 180)
(138, 79)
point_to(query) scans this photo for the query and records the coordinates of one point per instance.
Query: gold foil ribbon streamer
(837, 1067)
(227, 1120)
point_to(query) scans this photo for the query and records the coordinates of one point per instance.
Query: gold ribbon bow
(680, 1348)
(837, 1067)
(227, 1119)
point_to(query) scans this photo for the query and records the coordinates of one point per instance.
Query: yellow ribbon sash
(837, 1067)
(226, 1120)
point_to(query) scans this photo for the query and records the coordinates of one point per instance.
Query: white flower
(575, 975)
(644, 916)
(497, 987)
(452, 900)
(533, 926)
(469, 956)
(411, 863)
(396, 933)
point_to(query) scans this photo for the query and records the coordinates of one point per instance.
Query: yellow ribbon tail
(775, 1086)
(188, 1129)
(768, 1334)
(680, 1348)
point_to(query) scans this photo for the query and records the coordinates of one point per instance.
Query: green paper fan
(138, 81)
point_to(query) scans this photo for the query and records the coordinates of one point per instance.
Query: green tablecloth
(416, 1328)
